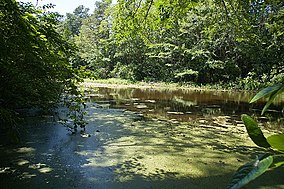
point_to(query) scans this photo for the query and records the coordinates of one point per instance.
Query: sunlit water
(158, 139)
(210, 107)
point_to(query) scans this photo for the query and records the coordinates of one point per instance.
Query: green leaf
(272, 92)
(266, 91)
(250, 171)
(271, 98)
(278, 164)
(254, 131)
(276, 141)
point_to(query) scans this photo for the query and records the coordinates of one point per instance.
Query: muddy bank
(127, 150)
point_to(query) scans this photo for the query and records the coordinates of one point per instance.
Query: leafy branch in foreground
(34, 59)
(274, 144)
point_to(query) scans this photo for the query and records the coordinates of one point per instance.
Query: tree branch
(148, 10)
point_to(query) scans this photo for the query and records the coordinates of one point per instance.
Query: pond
(204, 106)
(141, 138)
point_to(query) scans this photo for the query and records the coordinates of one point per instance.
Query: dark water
(190, 105)
(125, 151)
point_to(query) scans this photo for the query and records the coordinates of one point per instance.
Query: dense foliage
(35, 70)
(203, 42)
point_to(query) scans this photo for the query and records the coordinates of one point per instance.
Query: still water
(142, 138)
(190, 105)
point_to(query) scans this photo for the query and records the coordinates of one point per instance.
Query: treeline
(42, 55)
(203, 42)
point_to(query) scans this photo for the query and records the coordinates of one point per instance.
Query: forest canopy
(229, 42)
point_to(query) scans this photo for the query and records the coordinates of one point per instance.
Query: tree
(35, 70)
(94, 40)
(73, 22)
(220, 41)
(204, 42)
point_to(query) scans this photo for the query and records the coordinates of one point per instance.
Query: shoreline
(116, 83)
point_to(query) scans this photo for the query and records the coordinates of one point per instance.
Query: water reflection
(188, 105)
(125, 150)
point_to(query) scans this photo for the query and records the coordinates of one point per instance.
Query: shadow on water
(129, 149)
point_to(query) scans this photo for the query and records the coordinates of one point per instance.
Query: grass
(117, 82)
(111, 81)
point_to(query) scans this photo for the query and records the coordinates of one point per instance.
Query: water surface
(142, 139)
(190, 105)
